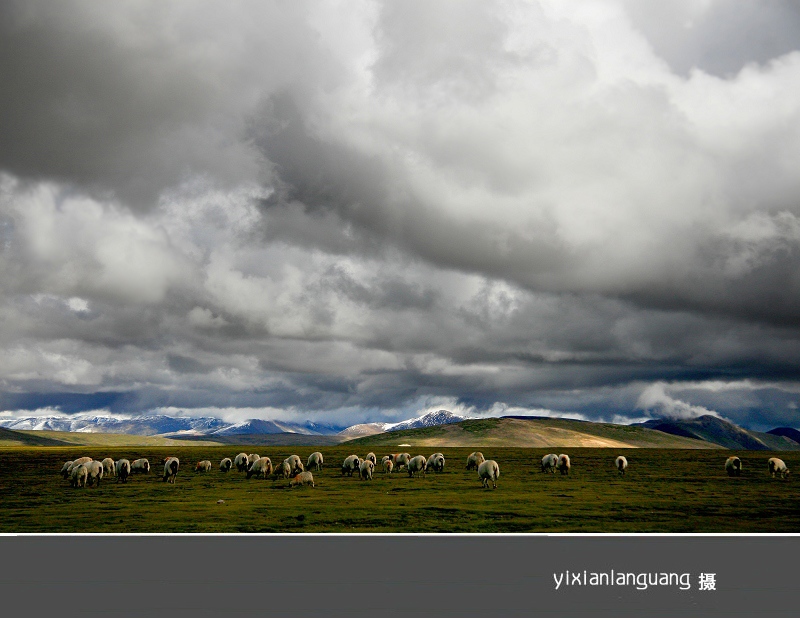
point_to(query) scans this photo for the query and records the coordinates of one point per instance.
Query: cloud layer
(359, 213)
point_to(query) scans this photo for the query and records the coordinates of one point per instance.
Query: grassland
(665, 490)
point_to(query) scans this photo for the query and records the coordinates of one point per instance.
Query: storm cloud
(359, 211)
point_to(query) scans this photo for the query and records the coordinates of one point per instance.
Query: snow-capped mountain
(431, 419)
(176, 426)
(150, 425)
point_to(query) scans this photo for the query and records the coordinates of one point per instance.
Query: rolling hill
(38, 437)
(533, 432)
(723, 433)
(20, 438)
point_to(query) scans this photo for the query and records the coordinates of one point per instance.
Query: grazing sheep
(304, 478)
(436, 462)
(388, 466)
(366, 469)
(474, 460)
(262, 466)
(733, 466)
(777, 466)
(489, 471)
(94, 472)
(351, 464)
(296, 463)
(286, 470)
(401, 460)
(563, 464)
(622, 464)
(241, 462)
(314, 461)
(78, 475)
(108, 466)
(140, 466)
(549, 463)
(65, 469)
(77, 462)
(417, 464)
(203, 466)
(372, 458)
(226, 464)
(251, 458)
(171, 465)
(123, 469)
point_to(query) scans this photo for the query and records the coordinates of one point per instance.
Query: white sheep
(241, 463)
(262, 466)
(78, 475)
(474, 460)
(777, 466)
(621, 463)
(417, 464)
(401, 460)
(436, 462)
(225, 464)
(108, 466)
(304, 478)
(251, 458)
(66, 468)
(388, 465)
(122, 467)
(563, 464)
(351, 464)
(315, 461)
(140, 466)
(549, 463)
(171, 465)
(372, 458)
(296, 463)
(366, 469)
(733, 466)
(489, 471)
(94, 472)
(77, 462)
(203, 466)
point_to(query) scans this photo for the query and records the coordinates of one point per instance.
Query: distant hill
(786, 432)
(533, 432)
(362, 429)
(270, 439)
(721, 432)
(40, 437)
(19, 438)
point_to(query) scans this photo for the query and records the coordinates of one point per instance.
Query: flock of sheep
(85, 471)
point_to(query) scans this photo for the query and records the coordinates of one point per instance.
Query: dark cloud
(718, 37)
(364, 213)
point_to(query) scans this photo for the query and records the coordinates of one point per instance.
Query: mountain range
(440, 427)
(192, 427)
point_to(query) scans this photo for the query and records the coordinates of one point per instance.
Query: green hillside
(533, 433)
(24, 438)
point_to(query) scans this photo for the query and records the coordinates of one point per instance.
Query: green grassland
(665, 490)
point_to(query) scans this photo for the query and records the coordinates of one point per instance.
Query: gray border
(390, 575)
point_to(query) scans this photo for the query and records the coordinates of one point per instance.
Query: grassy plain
(664, 491)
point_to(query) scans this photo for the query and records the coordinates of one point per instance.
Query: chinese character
(707, 581)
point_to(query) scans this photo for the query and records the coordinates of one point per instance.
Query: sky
(359, 211)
